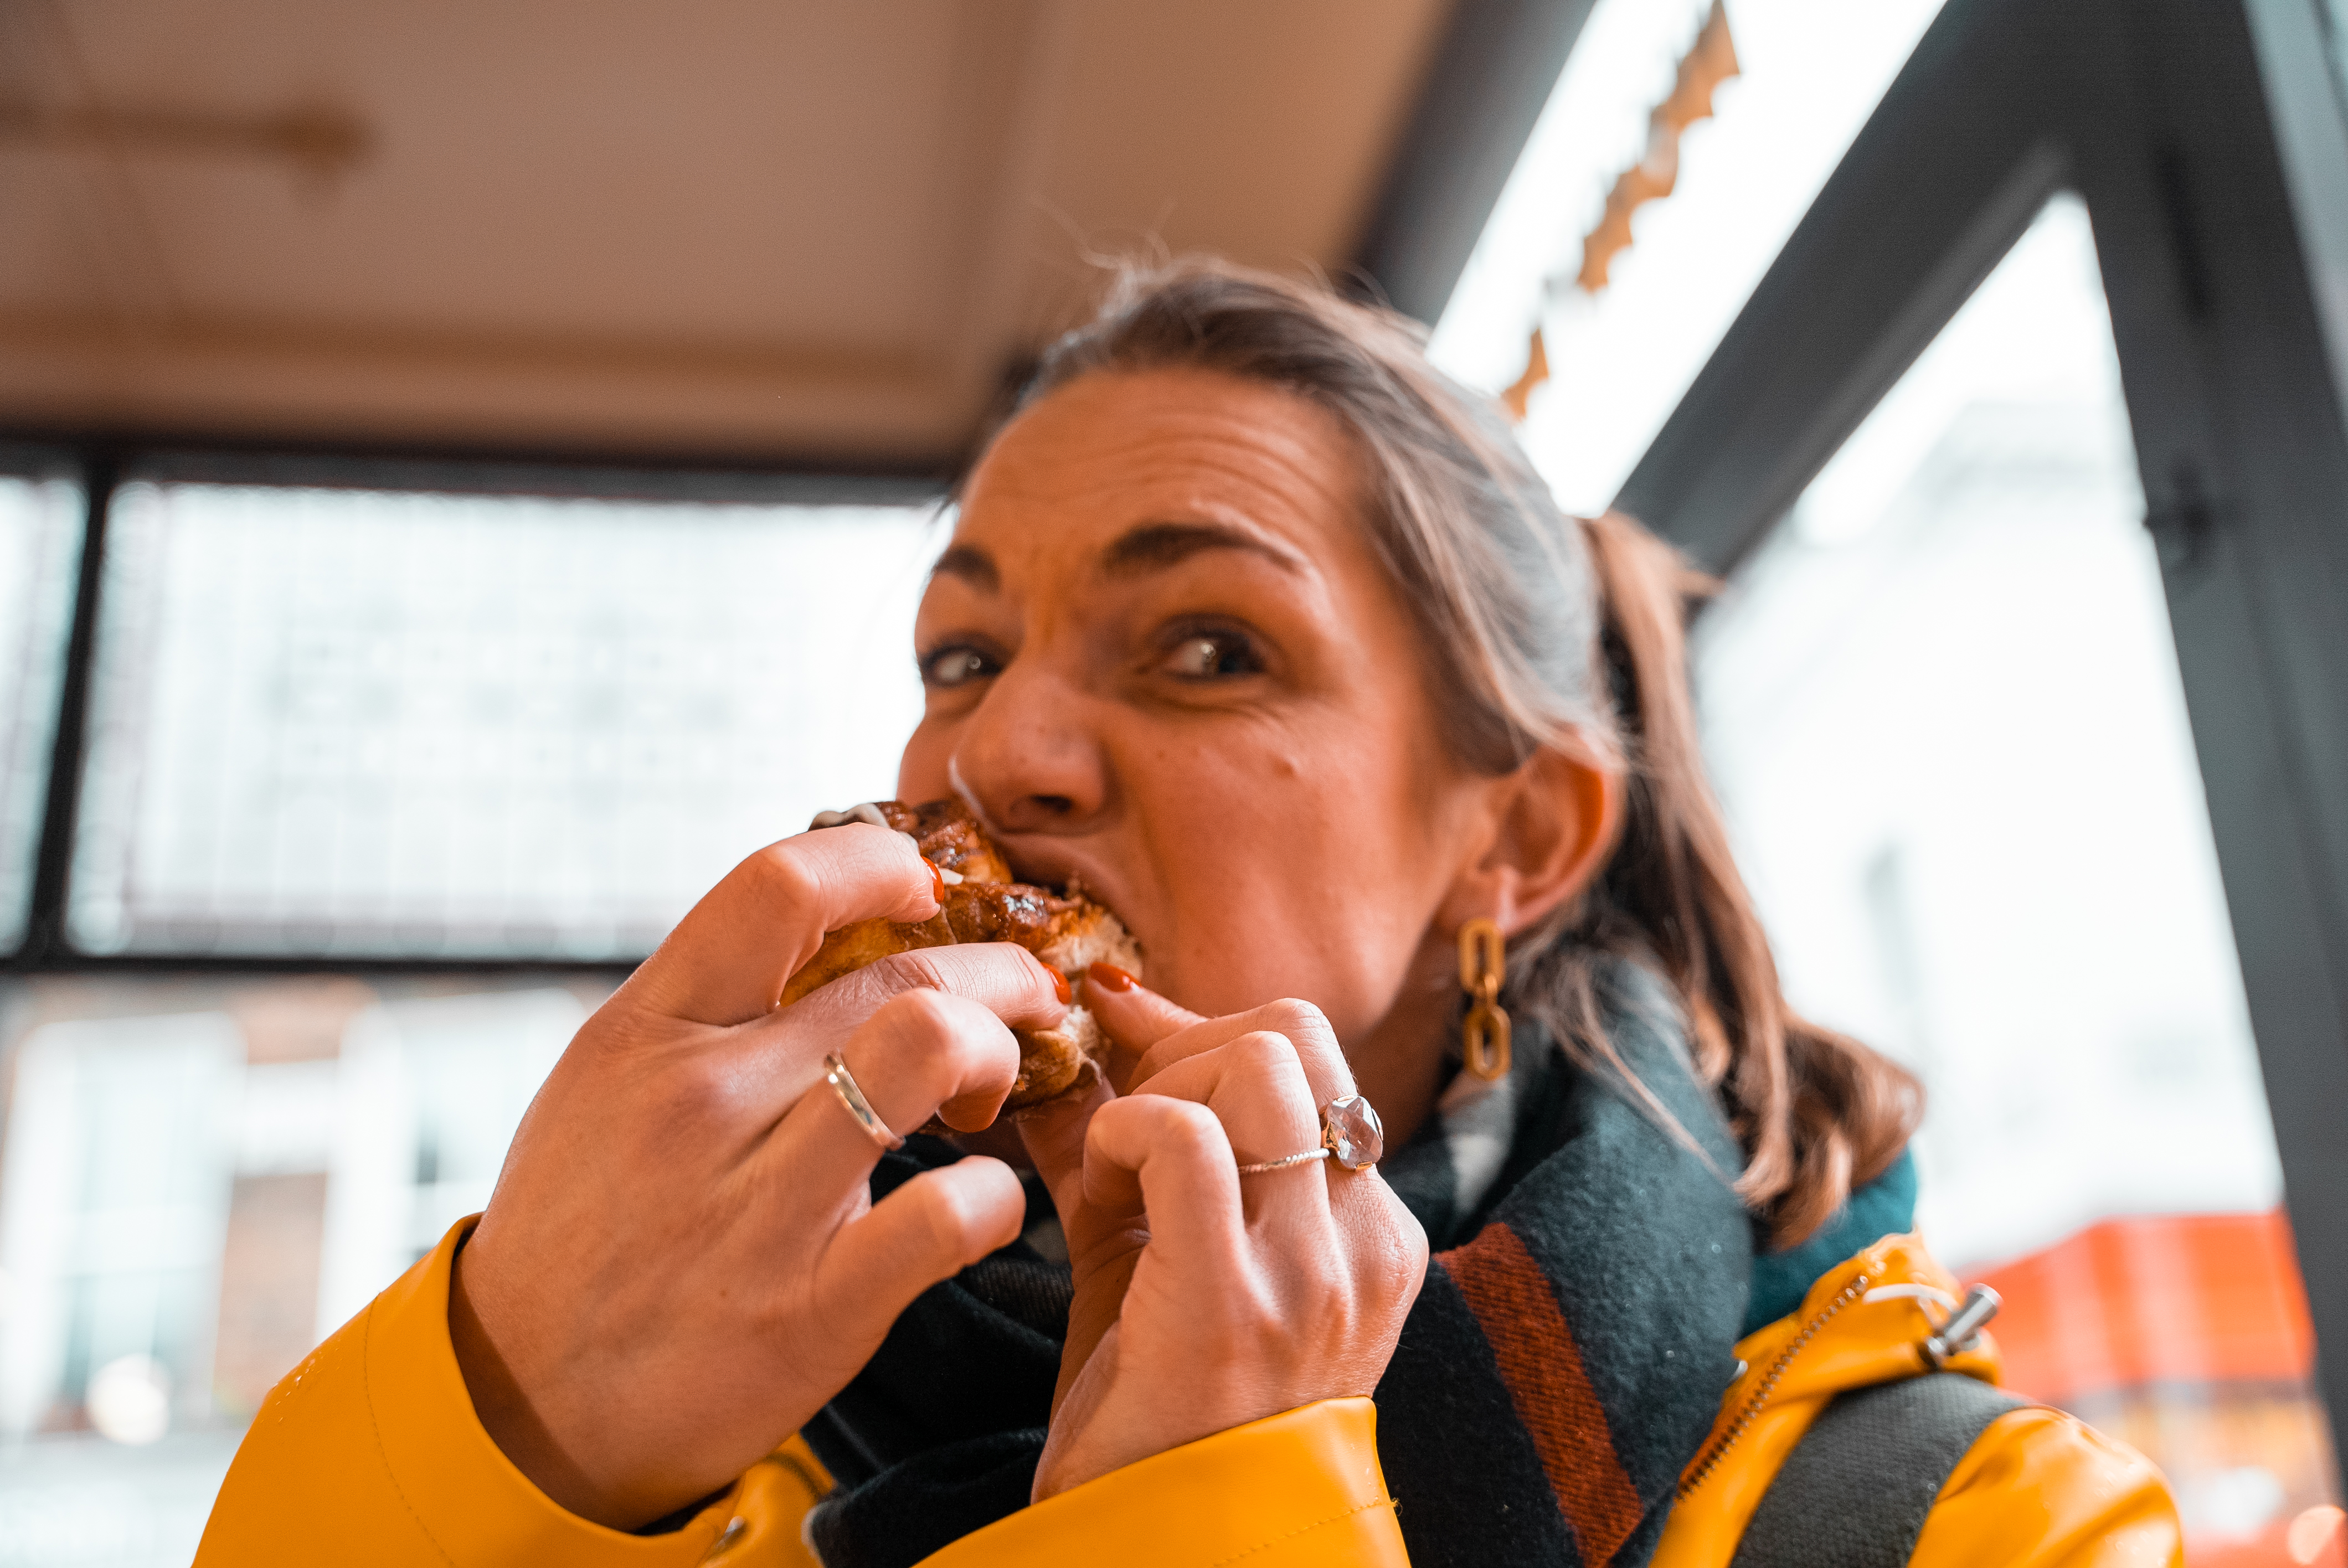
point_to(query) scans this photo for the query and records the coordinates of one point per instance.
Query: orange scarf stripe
(1539, 1361)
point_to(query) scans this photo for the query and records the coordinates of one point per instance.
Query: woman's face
(1162, 657)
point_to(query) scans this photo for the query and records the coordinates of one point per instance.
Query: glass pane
(203, 1178)
(352, 722)
(1944, 711)
(40, 546)
(1807, 75)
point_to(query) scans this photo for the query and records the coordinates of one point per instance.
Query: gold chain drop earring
(1484, 1035)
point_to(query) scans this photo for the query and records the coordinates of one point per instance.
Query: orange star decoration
(1536, 372)
(1710, 61)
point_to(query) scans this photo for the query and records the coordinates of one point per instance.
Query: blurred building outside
(203, 1178)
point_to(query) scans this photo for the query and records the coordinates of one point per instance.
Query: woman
(1265, 633)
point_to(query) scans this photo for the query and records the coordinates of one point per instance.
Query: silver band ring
(843, 1083)
(1303, 1157)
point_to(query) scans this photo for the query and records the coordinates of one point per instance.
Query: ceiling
(771, 232)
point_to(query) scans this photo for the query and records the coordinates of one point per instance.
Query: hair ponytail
(1540, 632)
(1817, 1113)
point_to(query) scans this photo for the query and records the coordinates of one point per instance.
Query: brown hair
(1546, 632)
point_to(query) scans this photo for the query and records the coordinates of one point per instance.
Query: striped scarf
(1560, 1366)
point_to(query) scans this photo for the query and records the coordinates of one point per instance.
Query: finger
(930, 1229)
(1004, 977)
(726, 960)
(1256, 1087)
(764, 1068)
(1304, 1026)
(1132, 1016)
(1171, 1158)
(1105, 1244)
(923, 1051)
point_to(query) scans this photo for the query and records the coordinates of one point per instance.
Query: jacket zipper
(1710, 1459)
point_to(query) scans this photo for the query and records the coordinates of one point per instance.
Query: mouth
(1066, 867)
(1056, 863)
(1044, 861)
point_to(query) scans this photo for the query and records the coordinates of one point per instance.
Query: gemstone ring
(1351, 1134)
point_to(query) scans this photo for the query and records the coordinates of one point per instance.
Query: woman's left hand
(1205, 1299)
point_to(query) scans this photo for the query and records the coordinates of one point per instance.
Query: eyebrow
(1154, 546)
(970, 564)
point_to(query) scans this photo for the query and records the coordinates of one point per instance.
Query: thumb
(1132, 1016)
(930, 1229)
(1054, 1134)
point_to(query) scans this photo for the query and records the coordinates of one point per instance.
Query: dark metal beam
(45, 926)
(603, 471)
(2241, 438)
(61, 961)
(1490, 75)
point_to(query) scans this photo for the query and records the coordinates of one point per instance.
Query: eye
(955, 666)
(1211, 655)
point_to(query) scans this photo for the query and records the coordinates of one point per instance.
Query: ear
(1549, 827)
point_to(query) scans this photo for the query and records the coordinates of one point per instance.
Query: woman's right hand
(681, 1262)
(1205, 1298)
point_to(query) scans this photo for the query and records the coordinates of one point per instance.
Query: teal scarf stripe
(1885, 1206)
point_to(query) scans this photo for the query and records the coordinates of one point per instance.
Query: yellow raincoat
(369, 1455)
(2038, 1489)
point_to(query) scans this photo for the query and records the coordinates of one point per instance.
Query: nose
(1026, 761)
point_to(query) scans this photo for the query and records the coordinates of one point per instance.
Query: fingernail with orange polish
(1060, 985)
(937, 880)
(1109, 977)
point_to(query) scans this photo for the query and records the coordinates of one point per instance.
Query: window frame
(102, 467)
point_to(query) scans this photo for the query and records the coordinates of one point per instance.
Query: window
(1943, 709)
(368, 723)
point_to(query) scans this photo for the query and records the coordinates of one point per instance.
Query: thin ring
(1302, 1157)
(843, 1083)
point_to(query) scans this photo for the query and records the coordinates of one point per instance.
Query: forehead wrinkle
(1077, 465)
(1154, 546)
(1273, 464)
